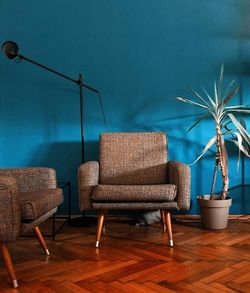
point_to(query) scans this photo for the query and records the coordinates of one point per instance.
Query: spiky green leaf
(195, 94)
(228, 89)
(191, 102)
(239, 110)
(230, 96)
(209, 98)
(241, 129)
(207, 147)
(237, 107)
(242, 148)
(225, 123)
(216, 94)
(243, 122)
(221, 80)
(199, 120)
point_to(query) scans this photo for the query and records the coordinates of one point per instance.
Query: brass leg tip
(15, 284)
(97, 244)
(47, 252)
(171, 243)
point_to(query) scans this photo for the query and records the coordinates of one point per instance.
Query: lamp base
(84, 221)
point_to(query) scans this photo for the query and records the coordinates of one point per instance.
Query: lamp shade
(10, 49)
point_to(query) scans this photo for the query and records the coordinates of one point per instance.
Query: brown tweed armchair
(134, 173)
(28, 196)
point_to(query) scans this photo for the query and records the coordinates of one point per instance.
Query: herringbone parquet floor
(135, 259)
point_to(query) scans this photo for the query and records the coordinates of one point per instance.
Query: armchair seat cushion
(34, 204)
(134, 193)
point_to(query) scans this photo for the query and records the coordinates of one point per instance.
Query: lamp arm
(78, 82)
(10, 49)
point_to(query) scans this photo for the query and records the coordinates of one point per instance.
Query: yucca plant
(229, 125)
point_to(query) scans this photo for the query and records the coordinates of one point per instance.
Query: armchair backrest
(133, 158)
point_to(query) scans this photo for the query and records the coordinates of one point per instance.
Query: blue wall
(140, 54)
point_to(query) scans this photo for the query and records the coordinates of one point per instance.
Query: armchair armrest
(10, 212)
(31, 179)
(180, 175)
(88, 178)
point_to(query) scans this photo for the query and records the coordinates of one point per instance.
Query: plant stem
(214, 175)
(221, 162)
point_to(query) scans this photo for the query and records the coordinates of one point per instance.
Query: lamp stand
(83, 221)
(81, 115)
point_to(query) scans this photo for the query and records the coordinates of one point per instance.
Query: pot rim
(213, 203)
(203, 197)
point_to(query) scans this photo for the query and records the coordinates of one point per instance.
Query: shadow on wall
(65, 158)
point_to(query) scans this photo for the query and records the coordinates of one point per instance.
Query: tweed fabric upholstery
(88, 177)
(120, 152)
(136, 205)
(31, 179)
(134, 193)
(180, 175)
(10, 213)
(13, 183)
(34, 204)
(133, 158)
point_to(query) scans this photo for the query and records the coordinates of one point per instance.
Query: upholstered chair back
(133, 158)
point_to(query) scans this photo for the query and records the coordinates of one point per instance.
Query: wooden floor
(135, 259)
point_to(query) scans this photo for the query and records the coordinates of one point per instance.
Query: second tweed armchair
(133, 172)
(28, 197)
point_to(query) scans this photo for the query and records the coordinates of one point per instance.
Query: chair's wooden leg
(8, 263)
(104, 223)
(163, 219)
(99, 226)
(169, 227)
(41, 239)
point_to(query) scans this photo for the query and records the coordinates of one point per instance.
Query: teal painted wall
(140, 54)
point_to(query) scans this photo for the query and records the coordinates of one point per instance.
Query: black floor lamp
(10, 49)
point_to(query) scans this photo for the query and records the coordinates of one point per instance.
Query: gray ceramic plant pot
(214, 212)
